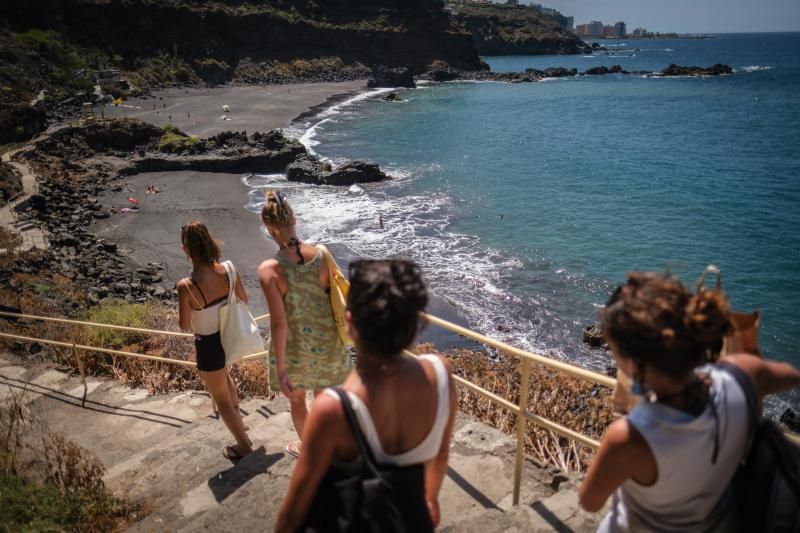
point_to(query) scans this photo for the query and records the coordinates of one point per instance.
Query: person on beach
(199, 299)
(669, 463)
(305, 351)
(404, 405)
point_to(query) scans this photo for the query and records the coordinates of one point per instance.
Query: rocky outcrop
(791, 420)
(517, 30)
(10, 183)
(383, 76)
(677, 70)
(311, 170)
(593, 336)
(66, 210)
(213, 36)
(598, 71)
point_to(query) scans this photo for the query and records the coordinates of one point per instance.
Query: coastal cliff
(60, 45)
(516, 30)
(214, 37)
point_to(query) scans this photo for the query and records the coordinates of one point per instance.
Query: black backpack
(379, 499)
(767, 483)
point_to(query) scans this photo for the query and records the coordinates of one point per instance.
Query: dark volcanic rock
(598, 71)
(391, 97)
(311, 170)
(593, 336)
(443, 74)
(355, 172)
(791, 420)
(677, 70)
(392, 77)
(305, 170)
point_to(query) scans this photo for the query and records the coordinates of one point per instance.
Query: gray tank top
(692, 492)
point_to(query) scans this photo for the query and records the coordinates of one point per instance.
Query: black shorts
(210, 353)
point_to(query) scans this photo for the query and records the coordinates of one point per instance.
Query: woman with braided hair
(669, 463)
(305, 351)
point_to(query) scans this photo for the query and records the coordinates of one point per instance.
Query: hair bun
(706, 317)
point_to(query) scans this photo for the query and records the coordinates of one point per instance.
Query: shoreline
(151, 235)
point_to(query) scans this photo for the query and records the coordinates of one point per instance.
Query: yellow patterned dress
(315, 356)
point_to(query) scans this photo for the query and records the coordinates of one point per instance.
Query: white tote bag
(238, 331)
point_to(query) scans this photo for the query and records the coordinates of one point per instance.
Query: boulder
(593, 336)
(391, 97)
(305, 170)
(443, 74)
(598, 71)
(392, 77)
(676, 70)
(355, 172)
(791, 420)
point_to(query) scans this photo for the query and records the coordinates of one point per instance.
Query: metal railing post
(521, 428)
(82, 372)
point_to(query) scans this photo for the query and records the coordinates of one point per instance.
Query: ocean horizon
(526, 204)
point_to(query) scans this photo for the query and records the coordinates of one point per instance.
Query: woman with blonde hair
(305, 350)
(199, 299)
(669, 463)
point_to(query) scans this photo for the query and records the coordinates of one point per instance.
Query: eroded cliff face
(405, 32)
(516, 30)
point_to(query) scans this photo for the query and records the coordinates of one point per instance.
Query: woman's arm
(184, 306)
(321, 433)
(622, 455)
(268, 277)
(768, 377)
(436, 469)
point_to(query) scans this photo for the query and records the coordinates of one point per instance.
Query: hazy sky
(685, 16)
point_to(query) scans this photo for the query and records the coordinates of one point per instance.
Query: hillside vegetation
(54, 45)
(509, 30)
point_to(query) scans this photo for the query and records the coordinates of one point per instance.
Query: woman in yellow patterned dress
(305, 351)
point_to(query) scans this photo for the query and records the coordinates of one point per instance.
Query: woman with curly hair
(669, 463)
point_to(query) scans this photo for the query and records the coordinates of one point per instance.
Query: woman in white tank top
(385, 388)
(669, 463)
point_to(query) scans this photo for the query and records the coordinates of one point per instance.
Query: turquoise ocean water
(526, 204)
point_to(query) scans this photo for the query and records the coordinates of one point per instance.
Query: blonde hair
(276, 210)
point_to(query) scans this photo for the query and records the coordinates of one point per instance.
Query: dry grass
(45, 471)
(574, 403)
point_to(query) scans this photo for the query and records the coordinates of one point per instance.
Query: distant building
(640, 32)
(570, 23)
(595, 29)
(621, 30)
(609, 32)
(512, 2)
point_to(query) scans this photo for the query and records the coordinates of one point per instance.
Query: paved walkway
(166, 452)
(32, 235)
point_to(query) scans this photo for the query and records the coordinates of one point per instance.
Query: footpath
(166, 451)
(32, 235)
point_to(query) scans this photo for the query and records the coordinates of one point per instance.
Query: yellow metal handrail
(521, 409)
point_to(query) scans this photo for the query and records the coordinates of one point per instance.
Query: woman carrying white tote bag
(238, 329)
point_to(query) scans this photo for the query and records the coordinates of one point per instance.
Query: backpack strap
(746, 384)
(355, 427)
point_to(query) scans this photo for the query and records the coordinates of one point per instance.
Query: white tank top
(205, 321)
(692, 493)
(425, 450)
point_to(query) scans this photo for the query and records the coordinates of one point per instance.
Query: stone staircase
(165, 451)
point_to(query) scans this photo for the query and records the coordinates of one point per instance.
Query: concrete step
(166, 452)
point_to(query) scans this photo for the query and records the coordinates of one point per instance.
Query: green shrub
(120, 313)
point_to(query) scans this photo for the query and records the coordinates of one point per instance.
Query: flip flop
(293, 449)
(232, 453)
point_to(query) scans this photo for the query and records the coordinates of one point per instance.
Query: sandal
(232, 453)
(293, 449)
